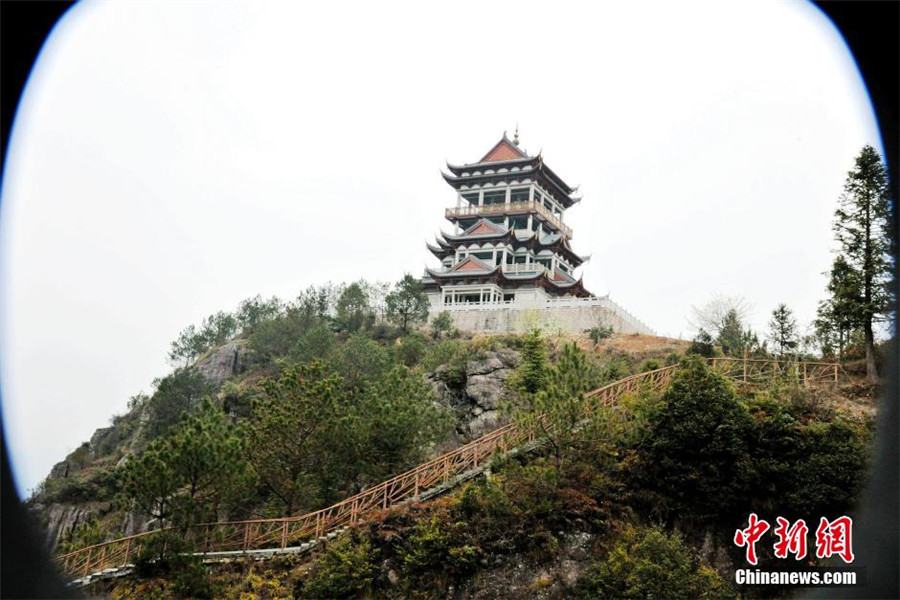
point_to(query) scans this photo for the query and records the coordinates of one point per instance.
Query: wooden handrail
(282, 532)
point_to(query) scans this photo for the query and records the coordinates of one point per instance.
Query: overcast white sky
(170, 159)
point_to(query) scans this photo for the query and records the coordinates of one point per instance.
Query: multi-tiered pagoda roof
(505, 158)
(510, 237)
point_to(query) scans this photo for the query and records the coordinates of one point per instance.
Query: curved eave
(477, 237)
(576, 287)
(459, 169)
(440, 253)
(460, 274)
(442, 242)
(551, 174)
(531, 242)
(457, 182)
(562, 192)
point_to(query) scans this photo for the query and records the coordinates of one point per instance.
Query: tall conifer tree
(862, 229)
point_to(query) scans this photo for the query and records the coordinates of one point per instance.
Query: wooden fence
(287, 532)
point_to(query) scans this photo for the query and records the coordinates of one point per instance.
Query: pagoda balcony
(510, 208)
(524, 268)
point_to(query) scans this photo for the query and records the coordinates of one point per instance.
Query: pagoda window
(519, 195)
(518, 223)
(496, 197)
(471, 198)
(485, 257)
(509, 297)
(538, 197)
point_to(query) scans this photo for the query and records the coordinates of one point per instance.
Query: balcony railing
(516, 268)
(529, 268)
(512, 207)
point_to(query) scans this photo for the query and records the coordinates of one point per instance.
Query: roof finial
(516, 135)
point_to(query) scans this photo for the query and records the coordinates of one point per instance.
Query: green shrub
(427, 546)
(771, 445)
(600, 333)
(649, 365)
(411, 349)
(168, 555)
(696, 443)
(347, 569)
(81, 536)
(829, 469)
(448, 360)
(175, 395)
(441, 324)
(647, 562)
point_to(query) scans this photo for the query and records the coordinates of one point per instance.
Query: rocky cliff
(75, 492)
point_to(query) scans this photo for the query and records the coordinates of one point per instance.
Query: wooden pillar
(284, 535)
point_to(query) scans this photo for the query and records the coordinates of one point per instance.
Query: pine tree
(553, 403)
(288, 428)
(531, 375)
(189, 476)
(783, 331)
(353, 308)
(408, 303)
(836, 317)
(731, 335)
(702, 344)
(862, 228)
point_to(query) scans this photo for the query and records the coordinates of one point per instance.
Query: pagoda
(510, 244)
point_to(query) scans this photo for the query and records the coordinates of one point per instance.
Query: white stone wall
(566, 316)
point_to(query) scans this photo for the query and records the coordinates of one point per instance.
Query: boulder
(487, 391)
(477, 398)
(483, 367)
(223, 362)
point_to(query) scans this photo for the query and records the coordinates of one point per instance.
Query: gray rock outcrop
(478, 395)
(224, 362)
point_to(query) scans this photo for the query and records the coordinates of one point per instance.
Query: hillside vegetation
(283, 408)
